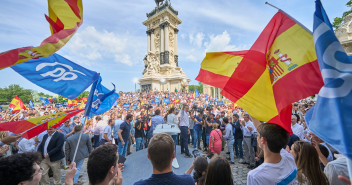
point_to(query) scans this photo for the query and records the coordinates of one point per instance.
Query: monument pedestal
(162, 72)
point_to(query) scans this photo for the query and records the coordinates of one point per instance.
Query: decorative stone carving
(157, 39)
(171, 39)
(151, 64)
(344, 34)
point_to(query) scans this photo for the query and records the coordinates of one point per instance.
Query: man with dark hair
(124, 133)
(84, 148)
(156, 120)
(279, 166)
(248, 130)
(238, 134)
(102, 166)
(184, 116)
(21, 169)
(51, 149)
(229, 138)
(161, 153)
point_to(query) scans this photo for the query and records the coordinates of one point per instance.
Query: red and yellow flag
(65, 16)
(217, 67)
(17, 104)
(280, 68)
(34, 126)
(72, 103)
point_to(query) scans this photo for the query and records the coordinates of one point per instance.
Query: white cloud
(220, 42)
(197, 39)
(91, 45)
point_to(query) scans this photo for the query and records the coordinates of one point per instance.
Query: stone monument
(161, 72)
(344, 34)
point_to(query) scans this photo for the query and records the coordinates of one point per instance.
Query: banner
(34, 126)
(280, 68)
(100, 99)
(58, 75)
(65, 16)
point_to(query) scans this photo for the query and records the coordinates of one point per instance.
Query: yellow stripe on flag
(259, 101)
(221, 63)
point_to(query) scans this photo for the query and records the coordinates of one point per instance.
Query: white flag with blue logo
(331, 118)
(100, 99)
(57, 74)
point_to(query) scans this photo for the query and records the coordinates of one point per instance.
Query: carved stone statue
(151, 64)
(161, 2)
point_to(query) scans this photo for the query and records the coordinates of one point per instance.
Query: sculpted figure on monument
(151, 64)
(161, 2)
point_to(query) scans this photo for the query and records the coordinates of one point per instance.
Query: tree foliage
(192, 88)
(8, 93)
(338, 21)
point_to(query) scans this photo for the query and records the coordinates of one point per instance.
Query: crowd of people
(207, 124)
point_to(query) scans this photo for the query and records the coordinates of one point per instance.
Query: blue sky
(113, 40)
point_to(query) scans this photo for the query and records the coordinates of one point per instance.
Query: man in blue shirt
(156, 120)
(124, 133)
(198, 129)
(118, 122)
(161, 152)
(66, 128)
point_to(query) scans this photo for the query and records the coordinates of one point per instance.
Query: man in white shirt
(297, 129)
(184, 116)
(248, 150)
(279, 166)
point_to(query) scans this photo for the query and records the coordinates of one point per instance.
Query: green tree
(338, 21)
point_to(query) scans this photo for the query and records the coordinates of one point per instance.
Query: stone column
(166, 45)
(175, 48)
(162, 43)
(152, 41)
(148, 33)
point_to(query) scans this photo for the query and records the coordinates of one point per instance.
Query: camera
(209, 108)
(194, 107)
(205, 116)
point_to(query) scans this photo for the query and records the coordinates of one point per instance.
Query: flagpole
(79, 139)
(349, 166)
(290, 17)
(272, 5)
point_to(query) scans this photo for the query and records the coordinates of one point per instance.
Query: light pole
(135, 80)
(162, 82)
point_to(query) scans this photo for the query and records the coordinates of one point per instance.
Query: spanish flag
(72, 103)
(65, 16)
(280, 68)
(217, 67)
(16, 105)
(34, 126)
(195, 94)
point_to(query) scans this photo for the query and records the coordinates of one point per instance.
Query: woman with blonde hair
(308, 168)
(215, 143)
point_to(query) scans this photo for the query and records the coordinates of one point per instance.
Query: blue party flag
(331, 117)
(57, 74)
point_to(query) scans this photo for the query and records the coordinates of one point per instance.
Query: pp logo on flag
(340, 69)
(59, 73)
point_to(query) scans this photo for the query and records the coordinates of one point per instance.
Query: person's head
(111, 122)
(157, 112)
(212, 116)
(271, 136)
(308, 165)
(129, 117)
(200, 165)
(219, 172)
(102, 163)
(225, 120)
(76, 120)
(78, 128)
(186, 107)
(246, 117)
(222, 114)
(215, 126)
(161, 151)
(51, 130)
(293, 119)
(67, 123)
(46, 113)
(21, 169)
(98, 118)
(295, 106)
(172, 110)
(235, 117)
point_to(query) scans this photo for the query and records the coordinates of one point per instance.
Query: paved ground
(239, 171)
